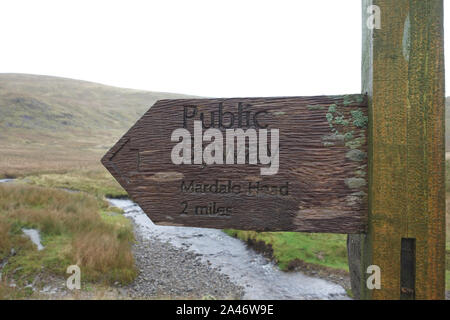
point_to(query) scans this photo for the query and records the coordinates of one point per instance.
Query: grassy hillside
(55, 124)
(51, 124)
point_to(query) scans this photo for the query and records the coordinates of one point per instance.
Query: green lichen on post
(347, 139)
(333, 140)
(332, 108)
(356, 198)
(361, 173)
(356, 155)
(359, 194)
(359, 119)
(329, 144)
(340, 124)
(336, 117)
(355, 183)
(330, 115)
(340, 120)
(349, 135)
(330, 119)
(358, 142)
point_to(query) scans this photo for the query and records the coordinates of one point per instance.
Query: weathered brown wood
(322, 172)
(403, 74)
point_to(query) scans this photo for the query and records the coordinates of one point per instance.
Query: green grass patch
(327, 250)
(97, 182)
(9, 293)
(28, 262)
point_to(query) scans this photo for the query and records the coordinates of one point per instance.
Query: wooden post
(403, 74)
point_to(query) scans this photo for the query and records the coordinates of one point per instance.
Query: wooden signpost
(370, 165)
(403, 74)
(318, 181)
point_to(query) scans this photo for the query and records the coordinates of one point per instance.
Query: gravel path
(169, 272)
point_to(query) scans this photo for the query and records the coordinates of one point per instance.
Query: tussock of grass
(10, 293)
(5, 242)
(321, 249)
(73, 230)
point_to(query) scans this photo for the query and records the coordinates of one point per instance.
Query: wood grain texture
(403, 74)
(323, 165)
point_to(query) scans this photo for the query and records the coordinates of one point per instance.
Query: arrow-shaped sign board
(267, 164)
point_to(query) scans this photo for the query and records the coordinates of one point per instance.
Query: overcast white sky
(203, 47)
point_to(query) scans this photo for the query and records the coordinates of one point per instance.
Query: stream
(261, 278)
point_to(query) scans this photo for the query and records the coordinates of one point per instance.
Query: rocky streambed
(202, 263)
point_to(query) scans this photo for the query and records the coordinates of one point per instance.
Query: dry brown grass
(19, 159)
(107, 256)
(5, 242)
(9, 293)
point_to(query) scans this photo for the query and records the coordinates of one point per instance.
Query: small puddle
(6, 180)
(260, 278)
(34, 236)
